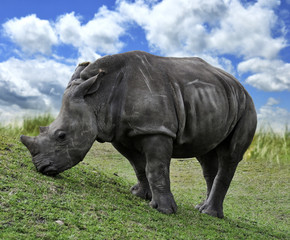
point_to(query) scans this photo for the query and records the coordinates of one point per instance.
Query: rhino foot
(198, 206)
(212, 211)
(164, 204)
(141, 191)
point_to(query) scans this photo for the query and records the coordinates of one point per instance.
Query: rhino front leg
(158, 151)
(138, 162)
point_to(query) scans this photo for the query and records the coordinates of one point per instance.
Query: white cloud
(68, 27)
(273, 116)
(31, 34)
(247, 31)
(272, 101)
(185, 27)
(170, 26)
(33, 84)
(101, 34)
(71, 32)
(215, 27)
(269, 75)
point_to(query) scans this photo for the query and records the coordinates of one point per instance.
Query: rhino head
(65, 142)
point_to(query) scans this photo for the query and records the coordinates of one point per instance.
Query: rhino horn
(43, 129)
(30, 143)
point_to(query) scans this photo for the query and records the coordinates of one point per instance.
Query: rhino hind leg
(229, 153)
(209, 164)
(218, 187)
(138, 162)
(213, 205)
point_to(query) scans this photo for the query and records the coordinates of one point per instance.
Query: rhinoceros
(152, 109)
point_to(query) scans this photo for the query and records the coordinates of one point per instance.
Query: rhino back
(185, 98)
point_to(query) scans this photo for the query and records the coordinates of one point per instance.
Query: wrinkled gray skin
(152, 109)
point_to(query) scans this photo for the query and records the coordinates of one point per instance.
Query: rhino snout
(49, 170)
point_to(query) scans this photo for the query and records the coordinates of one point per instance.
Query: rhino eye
(61, 135)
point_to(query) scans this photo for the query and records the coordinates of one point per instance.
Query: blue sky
(41, 42)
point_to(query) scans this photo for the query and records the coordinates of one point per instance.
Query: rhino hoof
(199, 206)
(211, 211)
(141, 192)
(165, 204)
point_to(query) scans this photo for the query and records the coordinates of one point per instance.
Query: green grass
(92, 200)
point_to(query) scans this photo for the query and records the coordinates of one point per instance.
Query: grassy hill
(92, 200)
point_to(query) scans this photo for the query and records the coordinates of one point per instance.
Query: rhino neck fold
(105, 124)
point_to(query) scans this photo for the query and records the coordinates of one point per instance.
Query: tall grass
(29, 126)
(270, 147)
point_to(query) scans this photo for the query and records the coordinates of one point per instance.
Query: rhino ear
(78, 70)
(89, 86)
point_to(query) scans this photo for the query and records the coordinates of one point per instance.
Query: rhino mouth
(48, 170)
